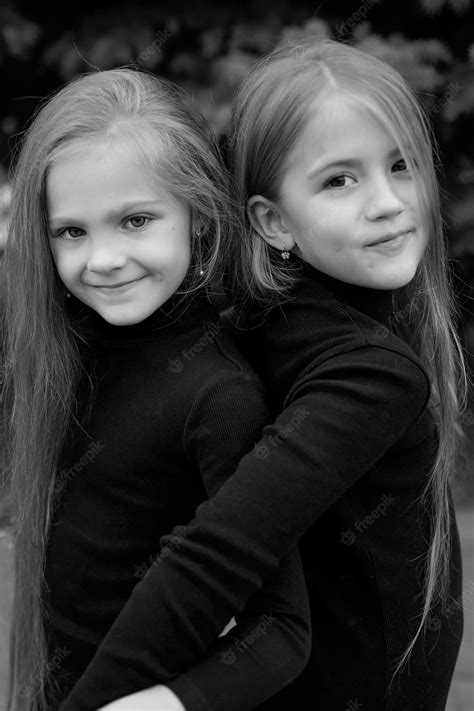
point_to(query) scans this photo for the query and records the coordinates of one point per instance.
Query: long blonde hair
(156, 121)
(270, 111)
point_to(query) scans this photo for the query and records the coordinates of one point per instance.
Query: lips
(115, 286)
(391, 236)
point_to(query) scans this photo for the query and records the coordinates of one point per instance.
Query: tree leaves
(209, 50)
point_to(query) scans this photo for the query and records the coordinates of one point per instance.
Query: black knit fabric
(343, 466)
(174, 408)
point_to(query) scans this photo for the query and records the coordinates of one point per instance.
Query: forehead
(90, 174)
(340, 124)
(339, 128)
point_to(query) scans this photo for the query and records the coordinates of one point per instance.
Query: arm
(339, 420)
(272, 635)
(253, 660)
(241, 669)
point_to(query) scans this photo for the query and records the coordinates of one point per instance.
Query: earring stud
(285, 255)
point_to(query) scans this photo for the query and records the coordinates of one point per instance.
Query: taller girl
(334, 161)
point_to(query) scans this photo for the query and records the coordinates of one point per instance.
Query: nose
(383, 201)
(105, 254)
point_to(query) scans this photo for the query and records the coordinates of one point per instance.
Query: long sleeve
(271, 642)
(341, 416)
(256, 657)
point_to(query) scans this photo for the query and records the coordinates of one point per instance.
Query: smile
(392, 241)
(114, 289)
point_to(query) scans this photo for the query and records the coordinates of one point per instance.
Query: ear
(266, 219)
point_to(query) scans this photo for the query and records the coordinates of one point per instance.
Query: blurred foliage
(207, 48)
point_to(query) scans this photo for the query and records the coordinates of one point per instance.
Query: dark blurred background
(207, 48)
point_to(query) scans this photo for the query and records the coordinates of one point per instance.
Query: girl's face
(120, 244)
(348, 201)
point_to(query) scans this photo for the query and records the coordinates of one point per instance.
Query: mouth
(119, 286)
(391, 237)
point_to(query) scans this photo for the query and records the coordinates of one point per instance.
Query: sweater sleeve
(339, 419)
(256, 658)
(270, 644)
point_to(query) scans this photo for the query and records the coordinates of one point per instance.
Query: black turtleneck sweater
(343, 467)
(174, 408)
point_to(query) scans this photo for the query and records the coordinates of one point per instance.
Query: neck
(161, 323)
(379, 304)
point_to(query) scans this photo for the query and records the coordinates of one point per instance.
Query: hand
(229, 625)
(156, 698)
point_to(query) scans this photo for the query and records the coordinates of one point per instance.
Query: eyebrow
(346, 162)
(125, 207)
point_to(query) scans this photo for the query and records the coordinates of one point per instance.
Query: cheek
(65, 266)
(412, 199)
(56, 256)
(326, 221)
(181, 252)
(174, 256)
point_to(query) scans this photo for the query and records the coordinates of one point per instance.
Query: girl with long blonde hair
(126, 403)
(335, 168)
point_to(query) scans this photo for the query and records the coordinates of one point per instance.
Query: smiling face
(120, 244)
(348, 203)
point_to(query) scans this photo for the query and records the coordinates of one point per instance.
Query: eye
(70, 233)
(138, 222)
(339, 181)
(400, 166)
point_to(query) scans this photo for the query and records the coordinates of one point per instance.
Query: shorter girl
(353, 332)
(128, 405)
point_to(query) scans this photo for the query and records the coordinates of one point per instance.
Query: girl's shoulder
(345, 316)
(315, 326)
(221, 388)
(207, 356)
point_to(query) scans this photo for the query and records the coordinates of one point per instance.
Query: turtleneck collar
(175, 313)
(378, 304)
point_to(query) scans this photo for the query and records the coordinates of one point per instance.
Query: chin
(122, 318)
(397, 281)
